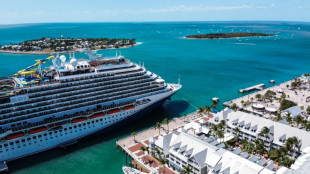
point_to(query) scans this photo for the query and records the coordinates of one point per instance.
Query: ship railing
(103, 81)
(98, 88)
(77, 101)
(88, 77)
(88, 89)
(85, 104)
(69, 117)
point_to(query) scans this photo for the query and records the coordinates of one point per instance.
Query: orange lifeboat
(114, 111)
(128, 107)
(15, 135)
(97, 115)
(37, 130)
(76, 120)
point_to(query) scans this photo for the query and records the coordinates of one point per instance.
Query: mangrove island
(226, 35)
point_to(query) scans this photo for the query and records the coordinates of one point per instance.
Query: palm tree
(200, 110)
(289, 118)
(264, 132)
(220, 134)
(278, 116)
(222, 125)
(299, 119)
(134, 135)
(214, 103)
(208, 109)
(166, 121)
(158, 126)
(187, 169)
(234, 107)
(237, 132)
(214, 129)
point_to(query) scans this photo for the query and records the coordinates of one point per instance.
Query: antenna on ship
(143, 64)
(116, 53)
(179, 80)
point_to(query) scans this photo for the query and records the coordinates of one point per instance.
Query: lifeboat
(76, 120)
(15, 135)
(97, 115)
(128, 107)
(37, 130)
(114, 111)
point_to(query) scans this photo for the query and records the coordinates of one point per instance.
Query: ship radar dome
(73, 62)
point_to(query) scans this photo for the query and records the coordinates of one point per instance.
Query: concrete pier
(256, 87)
(132, 145)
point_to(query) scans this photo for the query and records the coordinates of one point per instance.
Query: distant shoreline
(58, 52)
(226, 35)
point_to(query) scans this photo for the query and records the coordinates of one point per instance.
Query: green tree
(166, 121)
(187, 169)
(237, 132)
(158, 126)
(285, 104)
(258, 96)
(214, 103)
(234, 107)
(308, 110)
(289, 118)
(200, 111)
(134, 135)
(299, 119)
(220, 134)
(208, 109)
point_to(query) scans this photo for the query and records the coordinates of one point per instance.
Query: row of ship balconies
(86, 102)
(66, 86)
(53, 86)
(52, 101)
(82, 81)
(67, 118)
(40, 101)
(87, 85)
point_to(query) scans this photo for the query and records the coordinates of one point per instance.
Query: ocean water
(208, 68)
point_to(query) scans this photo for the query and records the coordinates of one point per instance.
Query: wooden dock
(255, 87)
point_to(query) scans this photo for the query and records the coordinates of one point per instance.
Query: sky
(47, 11)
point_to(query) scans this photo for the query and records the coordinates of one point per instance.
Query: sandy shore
(59, 52)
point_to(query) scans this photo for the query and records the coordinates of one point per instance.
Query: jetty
(255, 87)
(133, 145)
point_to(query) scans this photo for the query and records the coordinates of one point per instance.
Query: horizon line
(154, 22)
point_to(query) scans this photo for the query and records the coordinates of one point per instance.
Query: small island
(64, 45)
(226, 35)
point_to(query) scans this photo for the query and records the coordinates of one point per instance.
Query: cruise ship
(43, 108)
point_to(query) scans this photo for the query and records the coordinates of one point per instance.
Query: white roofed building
(251, 125)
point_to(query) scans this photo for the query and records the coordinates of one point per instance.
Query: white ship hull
(70, 133)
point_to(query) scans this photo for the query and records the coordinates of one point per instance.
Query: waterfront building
(251, 125)
(202, 156)
(54, 107)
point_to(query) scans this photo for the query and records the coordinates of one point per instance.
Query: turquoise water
(208, 68)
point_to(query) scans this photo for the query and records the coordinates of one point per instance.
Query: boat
(37, 130)
(130, 170)
(114, 111)
(128, 107)
(73, 99)
(97, 115)
(14, 136)
(77, 120)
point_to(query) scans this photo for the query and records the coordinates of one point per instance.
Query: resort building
(204, 156)
(250, 127)
(294, 111)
